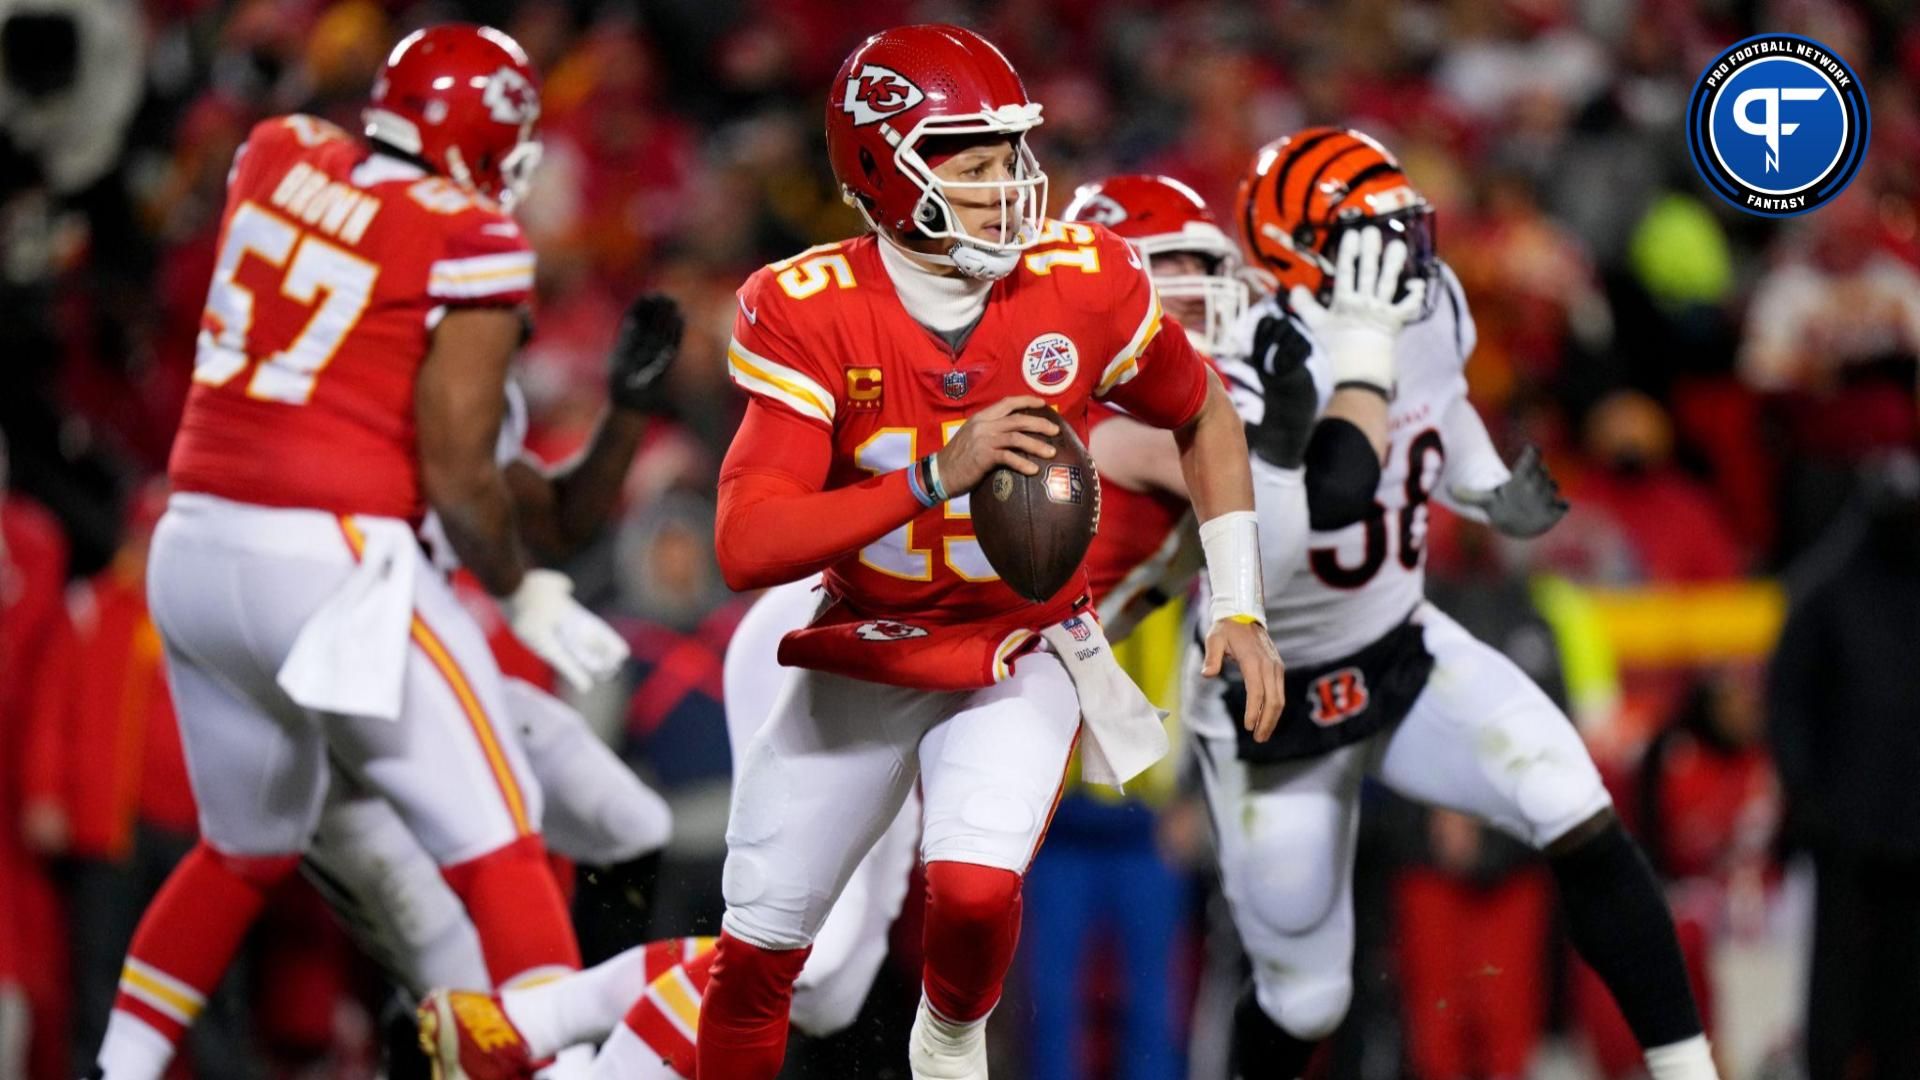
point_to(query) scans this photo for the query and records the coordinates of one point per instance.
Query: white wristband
(1232, 545)
(1362, 355)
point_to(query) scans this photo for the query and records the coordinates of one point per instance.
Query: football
(1036, 529)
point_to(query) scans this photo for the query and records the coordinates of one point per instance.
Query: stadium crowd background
(1722, 397)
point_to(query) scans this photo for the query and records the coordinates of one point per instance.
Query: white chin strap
(980, 263)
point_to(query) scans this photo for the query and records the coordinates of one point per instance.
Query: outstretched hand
(643, 354)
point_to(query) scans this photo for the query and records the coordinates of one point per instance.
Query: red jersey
(1143, 555)
(825, 336)
(334, 266)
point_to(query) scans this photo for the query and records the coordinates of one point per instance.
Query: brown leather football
(1036, 529)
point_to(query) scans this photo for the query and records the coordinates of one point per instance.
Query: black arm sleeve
(1342, 474)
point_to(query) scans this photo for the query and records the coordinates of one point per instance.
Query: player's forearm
(476, 510)
(1213, 458)
(1364, 408)
(584, 491)
(770, 530)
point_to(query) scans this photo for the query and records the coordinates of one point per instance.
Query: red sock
(743, 1018)
(515, 905)
(667, 1016)
(189, 933)
(972, 926)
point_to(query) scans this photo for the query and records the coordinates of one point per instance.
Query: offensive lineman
(1145, 550)
(1384, 684)
(350, 375)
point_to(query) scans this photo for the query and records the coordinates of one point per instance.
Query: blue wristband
(918, 483)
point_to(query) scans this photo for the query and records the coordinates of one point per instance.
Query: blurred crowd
(1729, 402)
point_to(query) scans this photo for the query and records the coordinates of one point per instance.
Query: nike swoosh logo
(753, 317)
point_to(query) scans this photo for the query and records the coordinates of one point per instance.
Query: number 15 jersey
(334, 266)
(824, 335)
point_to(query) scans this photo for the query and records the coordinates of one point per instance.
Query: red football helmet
(464, 99)
(1162, 216)
(912, 83)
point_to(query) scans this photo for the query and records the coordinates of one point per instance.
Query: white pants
(851, 944)
(823, 781)
(230, 585)
(1481, 739)
(391, 895)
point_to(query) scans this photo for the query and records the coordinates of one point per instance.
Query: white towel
(351, 656)
(1123, 734)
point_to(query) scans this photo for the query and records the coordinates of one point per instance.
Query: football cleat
(467, 1036)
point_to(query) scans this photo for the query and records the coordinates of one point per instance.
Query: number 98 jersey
(1359, 582)
(333, 268)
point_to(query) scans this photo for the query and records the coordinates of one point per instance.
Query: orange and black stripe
(484, 731)
(1298, 185)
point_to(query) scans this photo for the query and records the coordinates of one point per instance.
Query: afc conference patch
(1050, 362)
(1778, 125)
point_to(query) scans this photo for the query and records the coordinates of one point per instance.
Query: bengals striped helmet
(1308, 188)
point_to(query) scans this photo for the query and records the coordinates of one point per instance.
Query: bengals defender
(1145, 545)
(1383, 683)
(350, 375)
(884, 374)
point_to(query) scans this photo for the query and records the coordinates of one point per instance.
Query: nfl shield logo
(1078, 628)
(1064, 484)
(954, 384)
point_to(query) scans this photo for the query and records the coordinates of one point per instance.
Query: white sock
(626, 1057)
(1688, 1059)
(133, 1050)
(582, 1007)
(948, 1034)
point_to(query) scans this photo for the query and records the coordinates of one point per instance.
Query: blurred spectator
(108, 793)
(1845, 728)
(35, 639)
(1672, 530)
(1833, 334)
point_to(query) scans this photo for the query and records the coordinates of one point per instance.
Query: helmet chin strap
(981, 264)
(977, 263)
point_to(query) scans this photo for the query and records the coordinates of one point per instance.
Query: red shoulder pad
(484, 259)
(780, 311)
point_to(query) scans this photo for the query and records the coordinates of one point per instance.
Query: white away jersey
(1357, 583)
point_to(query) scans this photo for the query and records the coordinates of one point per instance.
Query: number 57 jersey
(334, 266)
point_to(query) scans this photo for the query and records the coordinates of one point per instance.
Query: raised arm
(563, 509)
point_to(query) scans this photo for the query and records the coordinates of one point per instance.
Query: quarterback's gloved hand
(1279, 358)
(1359, 326)
(544, 614)
(644, 352)
(1526, 505)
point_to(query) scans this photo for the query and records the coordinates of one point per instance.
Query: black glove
(1279, 357)
(643, 354)
(1526, 505)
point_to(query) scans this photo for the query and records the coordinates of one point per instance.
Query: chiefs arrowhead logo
(510, 98)
(874, 93)
(888, 630)
(1103, 209)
